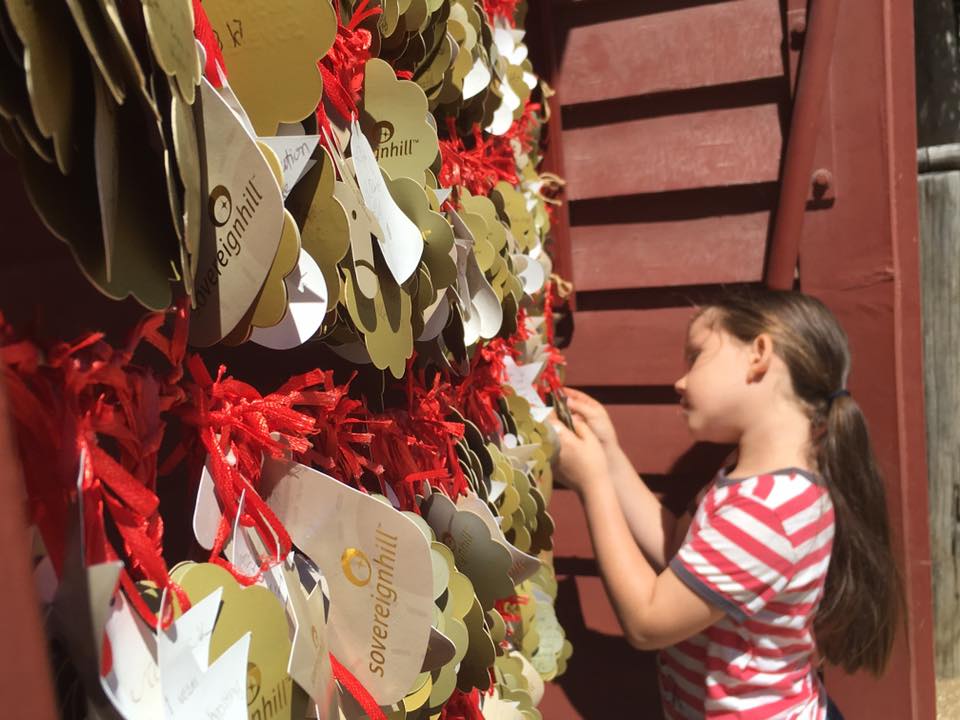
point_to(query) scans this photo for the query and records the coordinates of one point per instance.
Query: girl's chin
(701, 431)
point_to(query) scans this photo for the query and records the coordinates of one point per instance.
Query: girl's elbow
(643, 639)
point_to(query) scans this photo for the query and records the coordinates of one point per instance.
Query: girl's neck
(774, 443)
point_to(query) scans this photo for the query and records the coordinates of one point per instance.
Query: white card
(522, 378)
(378, 567)
(242, 223)
(133, 683)
(401, 240)
(496, 708)
(307, 306)
(189, 634)
(220, 692)
(530, 272)
(503, 115)
(294, 153)
(477, 79)
(206, 512)
(309, 663)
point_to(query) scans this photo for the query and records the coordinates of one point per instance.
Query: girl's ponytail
(857, 619)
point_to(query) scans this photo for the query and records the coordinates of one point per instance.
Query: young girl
(787, 559)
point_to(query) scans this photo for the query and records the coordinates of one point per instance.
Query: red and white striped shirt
(758, 548)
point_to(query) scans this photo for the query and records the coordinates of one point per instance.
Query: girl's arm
(654, 610)
(654, 528)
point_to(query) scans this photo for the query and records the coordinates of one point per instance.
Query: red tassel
(204, 32)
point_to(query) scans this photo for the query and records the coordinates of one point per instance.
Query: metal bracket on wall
(801, 162)
(823, 182)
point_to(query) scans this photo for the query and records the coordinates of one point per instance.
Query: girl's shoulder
(788, 493)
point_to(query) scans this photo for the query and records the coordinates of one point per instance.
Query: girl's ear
(760, 356)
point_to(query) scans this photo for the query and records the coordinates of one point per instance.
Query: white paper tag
(220, 692)
(294, 153)
(442, 194)
(309, 663)
(307, 306)
(242, 223)
(497, 488)
(476, 80)
(206, 512)
(378, 567)
(133, 683)
(522, 378)
(401, 240)
(503, 115)
(190, 633)
(530, 272)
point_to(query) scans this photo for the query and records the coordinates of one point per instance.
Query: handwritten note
(401, 240)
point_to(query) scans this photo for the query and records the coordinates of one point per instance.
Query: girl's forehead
(704, 323)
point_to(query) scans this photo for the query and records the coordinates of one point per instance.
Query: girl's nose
(680, 385)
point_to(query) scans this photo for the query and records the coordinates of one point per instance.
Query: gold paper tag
(271, 49)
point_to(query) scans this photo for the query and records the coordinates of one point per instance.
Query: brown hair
(857, 619)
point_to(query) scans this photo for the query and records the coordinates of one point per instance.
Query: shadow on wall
(606, 677)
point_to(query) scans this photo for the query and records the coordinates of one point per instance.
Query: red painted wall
(672, 121)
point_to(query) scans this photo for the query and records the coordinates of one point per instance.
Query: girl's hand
(583, 460)
(595, 415)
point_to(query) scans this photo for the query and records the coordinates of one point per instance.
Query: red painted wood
(541, 38)
(675, 252)
(858, 254)
(731, 146)
(656, 436)
(861, 257)
(688, 48)
(640, 347)
(26, 688)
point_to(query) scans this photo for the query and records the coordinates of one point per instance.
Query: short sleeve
(737, 556)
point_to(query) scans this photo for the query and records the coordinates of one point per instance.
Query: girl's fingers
(581, 426)
(574, 394)
(583, 407)
(563, 432)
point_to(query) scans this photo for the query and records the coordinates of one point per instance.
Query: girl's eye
(691, 357)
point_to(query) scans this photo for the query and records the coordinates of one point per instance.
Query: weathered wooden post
(940, 284)
(938, 128)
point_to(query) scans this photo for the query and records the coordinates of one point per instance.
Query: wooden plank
(720, 147)
(654, 437)
(640, 347)
(861, 258)
(696, 251)
(688, 48)
(940, 266)
(25, 682)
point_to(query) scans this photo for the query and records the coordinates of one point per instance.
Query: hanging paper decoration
(361, 176)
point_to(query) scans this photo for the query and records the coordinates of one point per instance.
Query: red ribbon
(549, 381)
(204, 32)
(491, 159)
(505, 9)
(342, 68)
(479, 168)
(236, 427)
(419, 445)
(462, 706)
(63, 406)
(357, 690)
